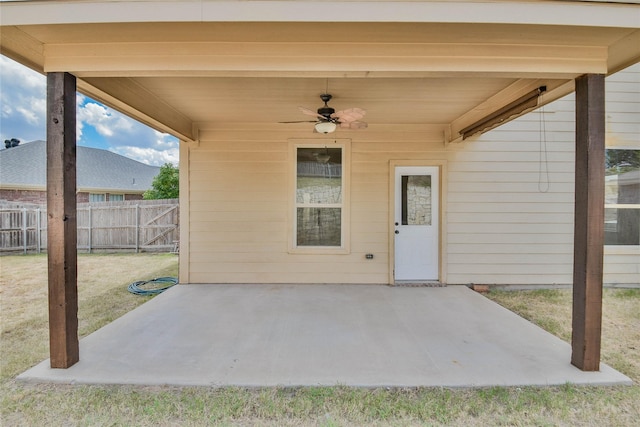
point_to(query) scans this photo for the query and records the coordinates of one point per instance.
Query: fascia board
(601, 14)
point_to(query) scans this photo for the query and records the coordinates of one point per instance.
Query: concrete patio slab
(308, 335)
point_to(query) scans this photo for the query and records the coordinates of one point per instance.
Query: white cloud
(23, 100)
(150, 156)
(23, 104)
(164, 140)
(106, 121)
(128, 137)
(30, 114)
(29, 80)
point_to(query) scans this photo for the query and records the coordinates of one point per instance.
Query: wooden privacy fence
(137, 225)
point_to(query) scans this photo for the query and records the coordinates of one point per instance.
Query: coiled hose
(157, 286)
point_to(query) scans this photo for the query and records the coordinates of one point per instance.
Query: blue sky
(23, 112)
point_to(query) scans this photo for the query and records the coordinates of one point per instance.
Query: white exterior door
(417, 223)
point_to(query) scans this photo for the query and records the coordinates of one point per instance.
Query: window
(622, 197)
(97, 197)
(320, 214)
(116, 197)
(416, 199)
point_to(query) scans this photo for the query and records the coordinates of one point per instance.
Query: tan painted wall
(622, 263)
(239, 205)
(510, 222)
(506, 220)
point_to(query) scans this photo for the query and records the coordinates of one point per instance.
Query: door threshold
(419, 283)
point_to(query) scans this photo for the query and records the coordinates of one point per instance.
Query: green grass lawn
(103, 297)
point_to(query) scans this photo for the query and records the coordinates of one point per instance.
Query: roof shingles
(26, 166)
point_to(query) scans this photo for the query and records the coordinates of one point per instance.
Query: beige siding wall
(508, 211)
(238, 216)
(511, 203)
(510, 217)
(622, 263)
(623, 108)
(240, 212)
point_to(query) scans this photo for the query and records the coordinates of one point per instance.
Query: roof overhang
(178, 65)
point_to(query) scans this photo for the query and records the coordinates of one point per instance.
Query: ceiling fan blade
(349, 115)
(309, 112)
(353, 125)
(301, 121)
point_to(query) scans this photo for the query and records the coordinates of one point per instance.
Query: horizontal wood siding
(239, 206)
(510, 224)
(622, 263)
(508, 212)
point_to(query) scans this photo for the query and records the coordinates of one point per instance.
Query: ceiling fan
(327, 119)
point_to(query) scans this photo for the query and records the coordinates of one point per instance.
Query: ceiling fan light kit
(326, 127)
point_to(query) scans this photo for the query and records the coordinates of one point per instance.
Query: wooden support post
(61, 219)
(589, 222)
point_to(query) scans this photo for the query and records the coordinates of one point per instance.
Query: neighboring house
(102, 176)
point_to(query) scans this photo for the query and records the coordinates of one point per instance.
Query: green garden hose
(157, 286)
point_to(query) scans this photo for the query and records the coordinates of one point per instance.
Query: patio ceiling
(177, 76)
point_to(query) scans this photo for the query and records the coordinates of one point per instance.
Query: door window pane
(416, 200)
